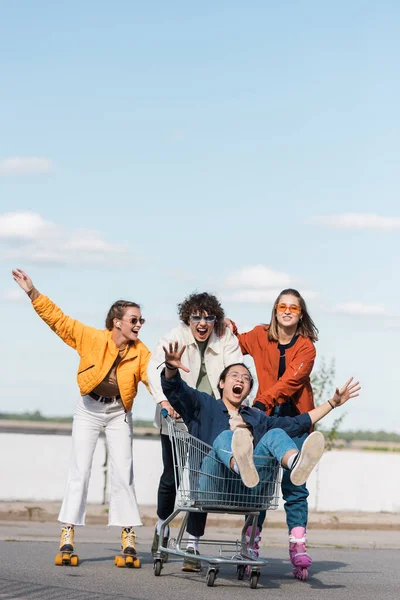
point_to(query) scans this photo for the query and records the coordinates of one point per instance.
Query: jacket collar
(132, 351)
(214, 341)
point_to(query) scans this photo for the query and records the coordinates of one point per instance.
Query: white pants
(89, 419)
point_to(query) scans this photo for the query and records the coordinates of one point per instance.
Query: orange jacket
(294, 384)
(97, 351)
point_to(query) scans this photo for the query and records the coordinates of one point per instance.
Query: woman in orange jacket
(284, 354)
(112, 362)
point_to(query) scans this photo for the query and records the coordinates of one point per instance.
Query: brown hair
(203, 302)
(117, 311)
(305, 327)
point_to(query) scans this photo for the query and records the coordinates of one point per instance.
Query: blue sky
(148, 150)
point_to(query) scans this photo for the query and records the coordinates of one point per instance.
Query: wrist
(331, 404)
(33, 294)
(170, 367)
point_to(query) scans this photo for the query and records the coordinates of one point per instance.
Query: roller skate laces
(299, 557)
(67, 539)
(128, 541)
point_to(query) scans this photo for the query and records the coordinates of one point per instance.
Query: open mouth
(202, 330)
(237, 389)
(136, 331)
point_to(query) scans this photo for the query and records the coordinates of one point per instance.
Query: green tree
(322, 381)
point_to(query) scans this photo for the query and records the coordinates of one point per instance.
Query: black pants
(167, 492)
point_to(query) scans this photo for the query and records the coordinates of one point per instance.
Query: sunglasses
(134, 320)
(198, 318)
(293, 308)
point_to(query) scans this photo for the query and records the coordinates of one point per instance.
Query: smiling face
(130, 323)
(288, 311)
(236, 386)
(201, 325)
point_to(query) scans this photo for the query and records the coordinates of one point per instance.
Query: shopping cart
(205, 485)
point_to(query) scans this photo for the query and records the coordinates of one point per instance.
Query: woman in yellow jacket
(112, 362)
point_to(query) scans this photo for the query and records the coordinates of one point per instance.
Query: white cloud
(257, 277)
(358, 221)
(24, 226)
(261, 296)
(358, 308)
(16, 295)
(259, 284)
(28, 237)
(18, 165)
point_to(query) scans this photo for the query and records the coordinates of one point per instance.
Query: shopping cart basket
(204, 484)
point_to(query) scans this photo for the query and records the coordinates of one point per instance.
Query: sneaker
(308, 457)
(191, 565)
(299, 557)
(154, 546)
(242, 449)
(128, 541)
(67, 539)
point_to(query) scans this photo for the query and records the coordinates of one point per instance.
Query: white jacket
(220, 352)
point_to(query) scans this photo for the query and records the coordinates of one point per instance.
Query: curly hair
(117, 311)
(199, 303)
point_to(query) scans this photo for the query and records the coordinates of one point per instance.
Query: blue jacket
(207, 417)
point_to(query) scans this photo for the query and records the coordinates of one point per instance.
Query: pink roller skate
(298, 553)
(254, 551)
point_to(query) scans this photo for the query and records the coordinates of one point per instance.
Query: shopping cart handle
(164, 413)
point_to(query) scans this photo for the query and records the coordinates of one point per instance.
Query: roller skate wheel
(74, 560)
(119, 561)
(58, 560)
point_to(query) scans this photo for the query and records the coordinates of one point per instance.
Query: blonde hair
(305, 327)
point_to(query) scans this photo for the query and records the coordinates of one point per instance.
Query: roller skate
(66, 555)
(128, 556)
(299, 557)
(253, 551)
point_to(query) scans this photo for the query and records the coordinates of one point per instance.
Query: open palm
(173, 356)
(23, 280)
(349, 390)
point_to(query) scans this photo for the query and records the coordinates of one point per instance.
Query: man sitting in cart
(238, 432)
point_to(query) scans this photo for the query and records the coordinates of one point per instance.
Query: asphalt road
(27, 571)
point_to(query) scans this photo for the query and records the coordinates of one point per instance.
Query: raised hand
(23, 280)
(173, 356)
(349, 390)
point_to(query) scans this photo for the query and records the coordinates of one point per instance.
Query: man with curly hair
(209, 349)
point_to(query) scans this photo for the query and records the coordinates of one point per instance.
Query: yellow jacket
(97, 351)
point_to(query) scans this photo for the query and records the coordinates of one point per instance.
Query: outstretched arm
(340, 397)
(70, 330)
(184, 399)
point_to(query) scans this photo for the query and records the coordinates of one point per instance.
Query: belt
(95, 396)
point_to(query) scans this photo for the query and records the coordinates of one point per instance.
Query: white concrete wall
(34, 467)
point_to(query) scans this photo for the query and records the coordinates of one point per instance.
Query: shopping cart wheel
(211, 576)
(254, 577)
(240, 572)
(157, 567)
